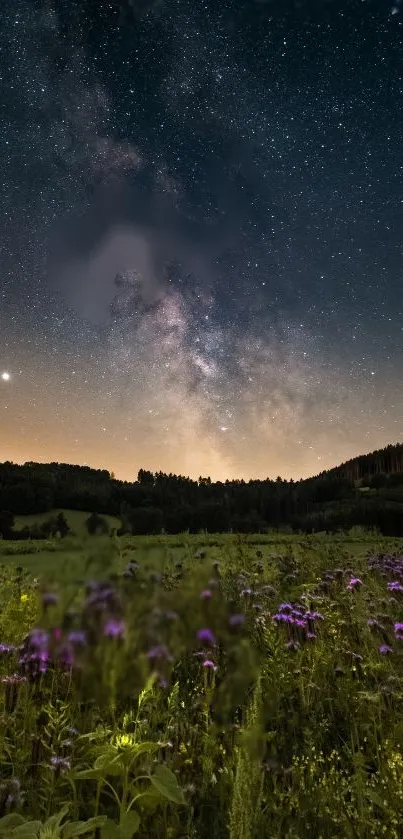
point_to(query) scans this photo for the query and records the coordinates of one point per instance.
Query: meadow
(201, 686)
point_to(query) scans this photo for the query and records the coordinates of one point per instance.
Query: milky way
(201, 236)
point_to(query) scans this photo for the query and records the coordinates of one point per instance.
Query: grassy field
(215, 686)
(76, 520)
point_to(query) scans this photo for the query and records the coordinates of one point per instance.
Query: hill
(76, 520)
(366, 491)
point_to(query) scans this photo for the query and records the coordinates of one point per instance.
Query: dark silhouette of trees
(6, 524)
(62, 524)
(367, 491)
(96, 524)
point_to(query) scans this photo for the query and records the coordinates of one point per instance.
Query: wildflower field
(202, 687)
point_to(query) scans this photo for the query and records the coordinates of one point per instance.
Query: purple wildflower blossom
(209, 664)
(395, 586)
(314, 616)
(300, 622)
(206, 594)
(77, 637)
(354, 583)
(114, 628)
(73, 732)
(283, 617)
(49, 598)
(207, 636)
(60, 764)
(236, 620)
(385, 649)
(399, 631)
(159, 653)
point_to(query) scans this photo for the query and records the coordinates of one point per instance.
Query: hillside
(75, 519)
(366, 491)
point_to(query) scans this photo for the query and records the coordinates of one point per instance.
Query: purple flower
(38, 638)
(207, 637)
(209, 664)
(77, 637)
(385, 649)
(35, 653)
(314, 616)
(60, 764)
(206, 594)
(49, 598)
(114, 628)
(65, 657)
(399, 631)
(159, 653)
(354, 583)
(300, 622)
(6, 648)
(236, 620)
(395, 586)
(283, 617)
(73, 732)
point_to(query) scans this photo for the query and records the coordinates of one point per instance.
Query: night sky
(201, 234)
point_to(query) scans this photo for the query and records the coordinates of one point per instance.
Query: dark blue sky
(239, 164)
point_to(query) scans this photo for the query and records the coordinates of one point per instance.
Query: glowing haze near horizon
(239, 166)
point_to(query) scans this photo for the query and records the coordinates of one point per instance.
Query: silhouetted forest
(366, 491)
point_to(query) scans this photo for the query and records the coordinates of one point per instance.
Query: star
(184, 245)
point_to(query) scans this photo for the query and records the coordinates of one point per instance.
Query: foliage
(366, 491)
(207, 687)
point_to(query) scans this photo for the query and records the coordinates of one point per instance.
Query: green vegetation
(367, 491)
(76, 520)
(220, 686)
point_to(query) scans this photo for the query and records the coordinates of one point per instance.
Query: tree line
(366, 491)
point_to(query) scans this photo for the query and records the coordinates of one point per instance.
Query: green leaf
(56, 820)
(80, 828)
(147, 690)
(375, 798)
(11, 820)
(129, 824)
(109, 763)
(166, 783)
(87, 775)
(150, 799)
(29, 830)
(144, 748)
(110, 830)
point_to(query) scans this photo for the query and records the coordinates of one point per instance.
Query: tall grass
(229, 688)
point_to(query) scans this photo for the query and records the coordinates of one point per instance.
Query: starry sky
(201, 234)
